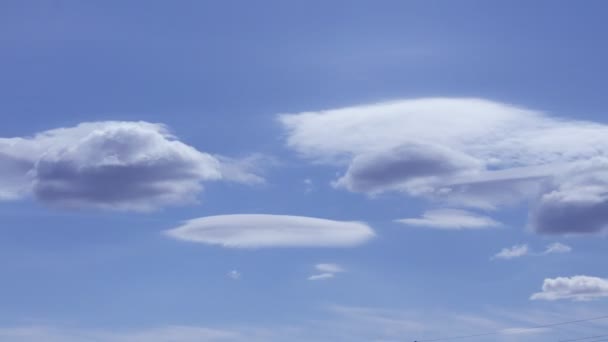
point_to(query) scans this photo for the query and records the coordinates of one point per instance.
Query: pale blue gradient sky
(217, 73)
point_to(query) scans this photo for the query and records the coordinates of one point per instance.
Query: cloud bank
(112, 165)
(466, 152)
(578, 288)
(263, 231)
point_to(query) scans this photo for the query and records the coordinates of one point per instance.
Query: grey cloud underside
(375, 172)
(112, 185)
(112, 165)
(14, 176)
(571, 218)
(577, 202)
(465, 152)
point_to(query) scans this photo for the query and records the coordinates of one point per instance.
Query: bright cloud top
(112, 165)
(578, 288)
(451, 219)
(467, 152)
(261, 231)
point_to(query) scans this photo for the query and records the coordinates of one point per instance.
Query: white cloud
(331, 268)
(321, 276)
(328, 271)
(451, 219)
(259, 231)
(308, 185)
(245, 170)
(523, 250)
(512, 252)
(234, 275)
(112, 165)
(465, 152)
(578, 288)
(557, 247)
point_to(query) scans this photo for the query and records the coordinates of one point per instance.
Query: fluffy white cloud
(579, 288)
(466, 152)
(512, 252)
(451, 219)
(258, 231)
(112, 164)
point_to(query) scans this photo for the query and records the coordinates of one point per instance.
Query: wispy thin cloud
(451, 219)
(522, 250)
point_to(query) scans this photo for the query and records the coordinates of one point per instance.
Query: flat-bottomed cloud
(262, 231)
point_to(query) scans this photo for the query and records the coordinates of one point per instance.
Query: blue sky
(302, 171)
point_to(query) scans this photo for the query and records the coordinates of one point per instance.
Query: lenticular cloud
(263, 231)
(465, 152)
(112, 165)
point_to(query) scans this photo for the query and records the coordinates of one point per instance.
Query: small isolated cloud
(451, 219)
(328, 271)
(467, 152)
(234, 275)
(321, 276)
(512, 252)
(578, 288)
(556, 248)
(263, 231)
(331, 268)
(111, 165)
(308, 185)
(523, 250)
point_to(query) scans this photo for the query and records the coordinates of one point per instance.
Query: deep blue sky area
(77, 266)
